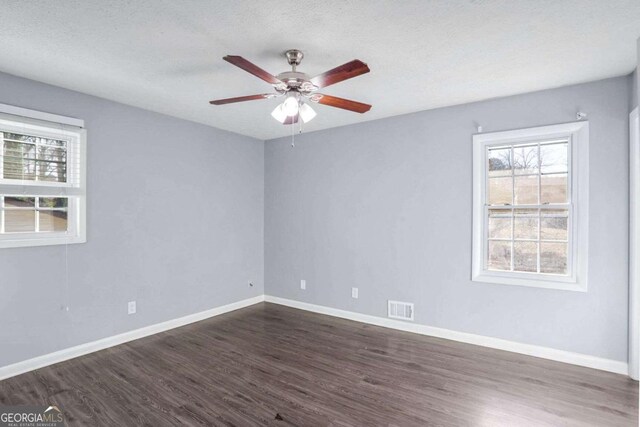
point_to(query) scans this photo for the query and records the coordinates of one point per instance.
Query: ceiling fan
(297, 88)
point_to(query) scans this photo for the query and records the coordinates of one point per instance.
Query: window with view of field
(526, 204)
(41, 184)
(527, 207)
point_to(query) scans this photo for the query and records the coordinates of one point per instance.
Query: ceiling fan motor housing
(297, 81)
(294, 79)
(294, 57)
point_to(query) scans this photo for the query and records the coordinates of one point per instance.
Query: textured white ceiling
(166, 56)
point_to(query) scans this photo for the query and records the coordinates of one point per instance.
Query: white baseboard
(90, 347)
(497, 343)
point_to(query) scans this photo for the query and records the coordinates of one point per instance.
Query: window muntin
(528, 207)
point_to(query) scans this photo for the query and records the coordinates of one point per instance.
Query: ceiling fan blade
(249, 67)
(345, 104)
(341, 73)
(239, 99)
(291, 120)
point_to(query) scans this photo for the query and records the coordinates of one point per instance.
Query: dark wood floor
(245, 367)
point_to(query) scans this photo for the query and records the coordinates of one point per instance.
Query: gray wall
(175, 221)
(386, 206)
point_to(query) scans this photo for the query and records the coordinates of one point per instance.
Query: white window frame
(577, 134)
(35, 123)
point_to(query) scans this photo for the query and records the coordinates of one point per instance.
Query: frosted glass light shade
(279, 114)
(290, 106)
(306, 113)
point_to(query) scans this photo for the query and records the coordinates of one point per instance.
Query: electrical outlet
(354, 293)
(131, 307)
(303, 284)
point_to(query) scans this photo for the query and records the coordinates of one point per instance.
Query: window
(42, 188)
(530, 206)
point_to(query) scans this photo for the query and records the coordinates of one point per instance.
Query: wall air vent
(400, 310)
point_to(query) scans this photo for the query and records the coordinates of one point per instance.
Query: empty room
(338, 213)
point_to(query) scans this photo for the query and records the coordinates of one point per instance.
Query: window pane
(553, 157)
(17, 221)
(553, 258)
(52, 171)
(525, 256)
(500, 224)
(52, 162)
(526, 190)
(53, 202)
(500, 190)
(25, 170)
(51, 152)
(499, 161)
(33, 158)
(525, 159)
(18, 160)
(19, 202)
(499, 256)
(526, 224)
(554, 188)
(19, 150)
(53, 220)
(553, 225)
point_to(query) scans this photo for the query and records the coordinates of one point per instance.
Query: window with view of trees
(41, 184)
(525, 214)
(28, 157)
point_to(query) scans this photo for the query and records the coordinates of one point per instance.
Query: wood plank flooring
(245, 367)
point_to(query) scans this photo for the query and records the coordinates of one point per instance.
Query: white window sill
(42, 241)
(560, 283)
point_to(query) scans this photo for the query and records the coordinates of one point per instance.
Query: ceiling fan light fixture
(291, 105)
(279, 114)
(298, 88)
(306, 113)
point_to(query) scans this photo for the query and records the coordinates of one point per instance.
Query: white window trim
(634, 244)
(578, 134)
(20, 114)
(48, 125)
